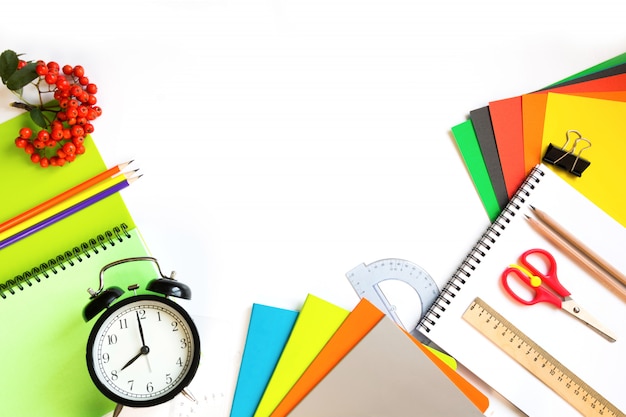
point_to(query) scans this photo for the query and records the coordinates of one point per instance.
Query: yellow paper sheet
(603, 123)
(317, 322)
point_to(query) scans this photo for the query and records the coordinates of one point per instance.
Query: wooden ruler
(538, 362)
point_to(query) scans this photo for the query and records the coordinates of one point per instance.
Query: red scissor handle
(540, 293)
(549, 278)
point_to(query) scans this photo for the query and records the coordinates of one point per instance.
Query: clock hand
(131, 361)
(143, 342)
(143, 351)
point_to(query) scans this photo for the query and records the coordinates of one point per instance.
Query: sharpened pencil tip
(531, 207)
(125, 164)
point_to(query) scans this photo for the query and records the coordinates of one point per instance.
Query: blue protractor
(366, 281)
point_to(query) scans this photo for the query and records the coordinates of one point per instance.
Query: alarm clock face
(143, 351)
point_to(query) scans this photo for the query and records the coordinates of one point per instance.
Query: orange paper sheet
(358, 323)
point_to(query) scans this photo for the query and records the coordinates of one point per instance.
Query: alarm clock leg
(189, 395)
(118, 410)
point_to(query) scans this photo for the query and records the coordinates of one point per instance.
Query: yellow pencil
(76, 198)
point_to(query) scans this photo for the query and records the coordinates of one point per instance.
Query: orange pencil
(63, 196)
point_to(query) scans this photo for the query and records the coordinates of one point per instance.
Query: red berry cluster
(65, 122)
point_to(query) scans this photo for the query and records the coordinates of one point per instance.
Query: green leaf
(37, 115)
(22, 76)
(8, 64)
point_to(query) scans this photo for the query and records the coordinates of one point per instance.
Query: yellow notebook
(43, 283)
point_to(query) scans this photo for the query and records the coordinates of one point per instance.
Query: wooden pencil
(600, 274)
(579, 245)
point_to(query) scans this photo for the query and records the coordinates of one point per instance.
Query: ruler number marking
(537, 361)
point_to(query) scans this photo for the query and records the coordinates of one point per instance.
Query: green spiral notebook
(44, 280)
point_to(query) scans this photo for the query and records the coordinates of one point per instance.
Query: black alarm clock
(144, 349)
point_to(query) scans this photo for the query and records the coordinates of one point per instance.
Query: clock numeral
(114, 375)
(123, 324)
(179, 362)
(131, 383)
(149, 387)
(112, 338)
(159, 315)
(174, 326)
(168, 379)
(183, 343)
(142, 314)
(105, 358)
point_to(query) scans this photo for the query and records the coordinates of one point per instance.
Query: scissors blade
(575, 310)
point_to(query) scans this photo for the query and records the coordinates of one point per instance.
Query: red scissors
(539, 282)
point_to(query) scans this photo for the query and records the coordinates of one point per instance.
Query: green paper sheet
(466, 140)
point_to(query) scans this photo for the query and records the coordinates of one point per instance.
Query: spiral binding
(65, 260)
(480, 249)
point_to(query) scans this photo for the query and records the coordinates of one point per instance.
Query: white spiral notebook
(597, 361)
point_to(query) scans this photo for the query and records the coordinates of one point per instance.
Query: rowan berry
(43, 135)
(63, 85)
(78, 71)
(72, 111)
(21, 142)
(53, 66)
(92, 88)
(36, 158)
(69, 148)
(51, 78)
(67, 69)
(44, 162)
(41, 69)
(77, 130)
(26, 132)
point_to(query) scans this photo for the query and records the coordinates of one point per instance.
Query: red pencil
(63, 196)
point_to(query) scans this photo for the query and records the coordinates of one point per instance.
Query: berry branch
(63, 120)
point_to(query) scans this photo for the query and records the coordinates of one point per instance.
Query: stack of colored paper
(327, 361)
(582, 117)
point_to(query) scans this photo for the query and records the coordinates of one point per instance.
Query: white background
(285, 142)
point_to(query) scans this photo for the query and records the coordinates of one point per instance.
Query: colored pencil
(83, 195)
(61, 197)
(67, 212)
